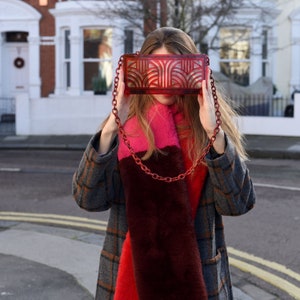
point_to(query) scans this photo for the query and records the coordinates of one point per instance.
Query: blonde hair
(178, 42)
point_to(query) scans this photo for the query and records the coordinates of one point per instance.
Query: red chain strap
(138, 160)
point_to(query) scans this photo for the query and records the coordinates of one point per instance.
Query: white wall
(279, 126)
(61, 116)
(83, 115)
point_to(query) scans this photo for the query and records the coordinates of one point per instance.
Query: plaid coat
(228, 191)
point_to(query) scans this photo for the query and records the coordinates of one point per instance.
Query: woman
(165, 240)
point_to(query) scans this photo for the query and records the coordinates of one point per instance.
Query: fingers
(207, 75)
(121, 98)
(206, 102)
(120, 87)
(205, 93)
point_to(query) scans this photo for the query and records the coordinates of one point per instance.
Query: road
(271, 230)
(40, 182)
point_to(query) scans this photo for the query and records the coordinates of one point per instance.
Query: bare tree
(198, 18)
(213, 24)
(195, 17)
(143, 15)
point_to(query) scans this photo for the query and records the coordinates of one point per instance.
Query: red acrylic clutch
(164, 73)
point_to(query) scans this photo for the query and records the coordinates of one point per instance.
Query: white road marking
(244, 265)
(280, 187)
(10, 170)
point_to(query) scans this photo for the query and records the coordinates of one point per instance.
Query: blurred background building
(58, 58)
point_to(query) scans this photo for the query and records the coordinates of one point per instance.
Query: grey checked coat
(228, 191)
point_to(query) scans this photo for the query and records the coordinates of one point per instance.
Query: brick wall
(47, 52)
(47, 69)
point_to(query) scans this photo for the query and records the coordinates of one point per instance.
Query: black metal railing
(261, 105)
(7, 116)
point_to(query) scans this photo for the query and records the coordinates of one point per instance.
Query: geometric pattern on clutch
(164, 73)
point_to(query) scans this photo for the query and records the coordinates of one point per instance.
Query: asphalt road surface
(40, 182)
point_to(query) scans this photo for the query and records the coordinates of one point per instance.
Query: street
(271, 230)
(40, 182)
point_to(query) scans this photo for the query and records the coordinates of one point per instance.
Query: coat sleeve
(96, 182)
(232, 186)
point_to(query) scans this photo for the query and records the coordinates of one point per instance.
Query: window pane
(97, 56)
(237, 71)
(235, 43)
(265, 44)
(97, 43)
(90, 71)
(264, 71)
(128, 42)
(43, 2)
(204, 48)
(68, 74)
(17, 37)
(94, 69)
(67, 44)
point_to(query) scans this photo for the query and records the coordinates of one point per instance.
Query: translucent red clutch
(164, 73)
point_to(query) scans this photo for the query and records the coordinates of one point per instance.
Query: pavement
(41, 262)
(257, 146)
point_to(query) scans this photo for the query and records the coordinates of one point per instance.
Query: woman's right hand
(122, 99)
(110, 129)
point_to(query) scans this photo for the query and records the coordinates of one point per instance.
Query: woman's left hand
(207, 113)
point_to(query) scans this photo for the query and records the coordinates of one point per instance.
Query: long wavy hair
(178, 42)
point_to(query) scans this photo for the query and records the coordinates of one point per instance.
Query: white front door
(15, 72)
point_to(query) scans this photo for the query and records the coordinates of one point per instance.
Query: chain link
(138, 160)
